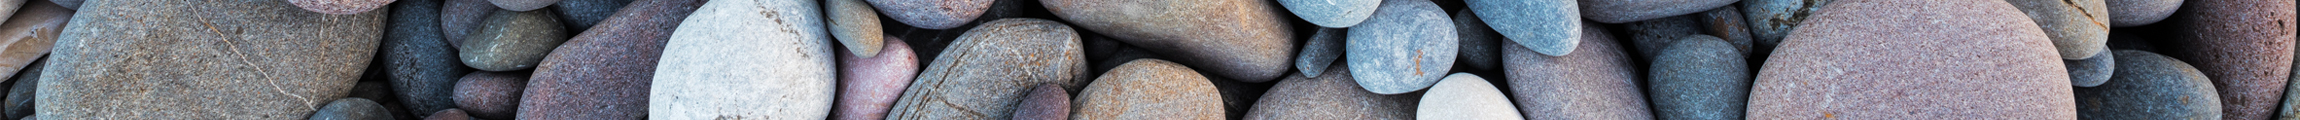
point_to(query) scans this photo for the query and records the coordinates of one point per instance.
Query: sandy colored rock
(1148, 89)
(29, 34)
(339, 7)
(228, 60)
(1866, 59)
(855, 26)
(1245, 40)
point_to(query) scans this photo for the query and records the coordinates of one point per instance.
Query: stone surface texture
(2150, 86)
(768, 59)
(605, 72)
(204, 60)
(1965, 59)
(1332, 13)
(2078, 28)
(1406, 47)
(932, 14)
(339, 7)
(2128, 13)
(1599, 83)
(868, 86)
(984, 74)
(1332, 96)
(1246, 40)
(2245, 46)
(1549, 27)
(1148, 89)
(1624, 11)
(1463, 96)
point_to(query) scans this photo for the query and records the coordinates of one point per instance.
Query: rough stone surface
(1970, 59)
(932, 14)
(2150, 86)
(987, 71)
(1480, 46)
(18, 103)
(1599, 83)
(2078, 28)
(868, 86)
(2091, 72)
(449, 114)
(522, 5)
(1699, 78)
(351, 109)
(1148, 89)
(1407, 46)
(511, 40)
(491, 95)
(227, 60)
(1463, 96)
(747, 59)
(458, 18)
(580, 15)
(422, 67)
(1045, 102)
(2128, 13)
(1332, 13)
(1320, 51)
(1550, 27)
(339, 7)
(1624, 11)
(1245, 40)
(2245, 46)
(29, 34)
(1728, 23)
(855, 26)
(1650, 36)
(605, 72)
(1332, 96)
(1771, 20)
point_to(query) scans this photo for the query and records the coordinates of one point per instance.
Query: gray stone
(2078, 28)
(1771, 20)
(1699, 78)
(1320, 51)
(511, 40)
(932, 14)
(1332, 13)
(1480, 46)
(1728, 23)
(339, 7)
(605, 72)
(580, 15)
(1245, 40)
(351, 109)
(491, 95)
(1599, 83)
(522, 5)
(1148, 89)
(2128, 13)
(2091, 72)
(29, 34)
(1407, 46)
(1650, 36)
(984, 74)
(855, 26)
(1045, 102)
(204, 60)
(422, 67)
(457, 18)
(1624, 11)
(1332, 96)
(18, 103)
(1463, 96)
(747, 59)
(869, 86)
(1550, 27)
(2150, 86)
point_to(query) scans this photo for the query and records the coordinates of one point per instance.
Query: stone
(458, 18)
(2091, 72)
(1148, 89)
(2289, 110)
(1237, 96)
(739, 59)
(1550, 27)
(1974, 59)
(1480, 46)
(1331, 13)
(932, 14)
(1320, 50)
(1699, 78)
(1729, 24)
(244, 58)
(18, 104)
(1406, 47)
(511, 40)
(1624, 11)
(339, 7)
(421, 65)
(2245, 46)
(1045, 102)
(1650, 36)
(1245, 40)
(30, 34)
(868, 86)
(351, 109)
(2075, 26)
(449, 114)
(2150, 86)
(1331, 96)
(380, 91)
(2129, 13)
(580, 15)
(491, 95)
(522, 5)
(1771, 20)
(855, 26)
(1463, 96)
(985, 73)
(605, 72)
(1599, 83)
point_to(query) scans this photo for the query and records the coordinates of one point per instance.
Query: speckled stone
(580, 15)
(1406, 47)
(1480, 46)
(422, 68)
(2078, 28)
(932, 14)
(1332, 96)
(449, 114)
(491, 95)
(1320, 51)
(1463, 96)
(1148, 89)
(2128, 13)
(458, 18)
(613, 64)
(1650, 36)
(351, 109)
(522, 5)
(1624, 11)
(339, 7)
(1728, 23)
(747, 59)
(511, 40)
(1599, 83)
(2151, 87)
(869, 86)
(246, 58)
(2091, 72)
(1550, 27)
(1332, 13)
(1245, 40)
(1045, 102)
(30, 34)
(1979, 59)
(855, 26)
(987, 71)
(1699, 78)
(18, 104)
(1771, 20)
(2245, 46)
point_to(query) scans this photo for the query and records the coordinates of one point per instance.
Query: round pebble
(1407, 46)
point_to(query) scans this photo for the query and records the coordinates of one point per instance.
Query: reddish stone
(1956, 59)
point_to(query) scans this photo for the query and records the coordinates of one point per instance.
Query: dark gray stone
(985, 73)
(18, 103)
(1550, 27)
(2128, 13)
(421, 66)
(1599, 83)
(1771, 20)
(2078, 28)
(1728, 23)
(2091, 72)
(351, 109)
(613, 64)
(1320, 51)
(511, 40)
(204, 60)
(1332, 13)
(2150, 86)
(1624, 11)
(73, 4)
(457, 18)
(522, 5)
(381, 92)
(1700, 78)
(491, 95)
(1332, 96)
(1045, 102)
(1650, 36)
(1407, 46)
(1480, 46)
(2245, 46)
(580, 15)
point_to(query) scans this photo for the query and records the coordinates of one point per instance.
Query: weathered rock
(1771, 20)
(351, 109)
(29, 34)
(511, 40)
(932, 14)
(1974, 59)
(458, 18)
(339, 7)
(2128, 13)
(1728, 23)
(1624, 11)
(1320, 51)
(747, 59)
(1148, 89)
(1045, 102)
(2150, 86)
(1550, 27)
(984, 74)
(1330, 13)
(1599, 83)
(449, 114)
(869, 85)
(1244, 40)
(1332, 96)
(855, 26)
(522, 5)
(580, 15)
(204, 60)
(2091, 72)
(1480, 46)
(18, 103)
(605, 72)
(1650, 36)
(1699, 78)
(491, 95)
(422, 67)
(2078, 28)
(1463, 96)
(2245, 46)
(1407, 46)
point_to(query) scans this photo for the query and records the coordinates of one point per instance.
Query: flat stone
(605, 72)
(2128, 13)
(855, 26)
(1244, 40)
(1650, 36)
(351, 109)
(1866, 59)
(522, 5)
(2077, 27)
(1624, 11)
(1480, 46)
(985, 73)
(339, 7)
(580, 15)
(1699, 77)
(932, 14)
(1463, 96)
(1045, 102)
(2244, 46)
(1771, 20)
(2150, 86)
(1332, 96)
(449, 114)
(2091, 72)
(1550, 27)
(18, 104)
(1728, 23)
(1148, 89)
(1332, 13)
(868, 86)
(747, 59)
(1406, 47)
(202, 59)
(511, 40)
(1320, 50)
(1599, 83)
(421, 66)
(29, 34)
(458, 18)
(491, 95)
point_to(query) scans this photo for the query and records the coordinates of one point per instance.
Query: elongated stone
(2128, 13)
(1406, 47)
(1045, 102)
(421, 65)
(352, 109)
(2150, 86)
(458, 18)
(30, 34)
(613, 64)
(868, 86)
(1599, 83)
(1244, 40)
(339, 7)
(933, 14)
(580, 15)
(1149, 89)
(1331, 13)
(201, 59)
(747, 59)
(1550, 27)
(491, 95)
(522, 5)
(855, 26)
(1321, 50)
(18, 104)
(511, 40)
(1624, 11)
(2091, 72)
(984, 74)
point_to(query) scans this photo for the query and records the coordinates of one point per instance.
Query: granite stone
(1868, 59)
(2245, 46)
(2150, 86)
(740, 59)
(1699, 78)
(490, 95)
(204, 60)
(985, 73)
(1599, 83)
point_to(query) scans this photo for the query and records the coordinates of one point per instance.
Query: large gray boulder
(204, 60)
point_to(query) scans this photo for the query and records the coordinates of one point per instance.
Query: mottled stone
(1699, 78)
(29, 34)
(984, 74)
(522, 5)
(2245, 46)
(1650, 36)
(1045, 102)
(1771, 20)
(351, 109)
(1624, 11)
(1407, 46)
(457, 18)
(1728, 23)
(1463, 96)
(204, 60)
(869, 85)
(1320, 50)
(1480, 46)
(449, 114)
(18, 104)
(747, 59)
(2090, 72)
(605, 72)
(2078, 28)
(1550, 27)
(855, 26)
(1332, 96)
(511, 40)
(1332, 13)
(421, 66)
(491, 95)
(1148, 89)
(339, 7)
(1245, 40)
(932, 14)
(2128, 13)
(580, 15)
(1863, 59)
(2152, 87)
(1599, 83)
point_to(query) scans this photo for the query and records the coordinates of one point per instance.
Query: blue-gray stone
(579, 15)
(1332, 13)
(421, 66)
(1320, 51)
(512, 40)
(1651, 35)
(1549, 27)
(1771, 20)
(351, 109)
(1407, 46)
(2150, 86)
(2091, 72)
(1699, 78)
(1480, 46)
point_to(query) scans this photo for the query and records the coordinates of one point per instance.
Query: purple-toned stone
(1245, 40)
(1045, 102)
(1598, 82)
(522, 5)
(490, 95)
(869, 86)
(1872, 59)
(612, 64)
(2245, 46)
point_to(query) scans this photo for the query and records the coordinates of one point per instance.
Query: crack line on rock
(228, 44)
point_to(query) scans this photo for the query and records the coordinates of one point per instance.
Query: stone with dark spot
(2078, 28)
(204, 59)
(1245, 40)
(491, 95)
(1332, 13)
(747, 59)
(1598, 83)
(1406, 47)
(1699, 77)
(1866, 59)
(1331, 96)
(1320, 51)
(1550, 27)
(2245, 46)
(1148, 89)
(522, 5)
(1624, 11)
(2152, 87)
(932, 14)
(339, 7)
(855, 26)
(1480, 46)
(1045, 102)
(512, 40)
(2129, 13)
(1463, 96)
(421, 66)
(2091, 72)
(580, 15)
(1771, 20)
(351, 109)
(985, 73)
(606, 72)
(458, 18)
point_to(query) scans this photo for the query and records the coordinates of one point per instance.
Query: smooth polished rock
(458, 18)
(522, 5)
(605, 72)
(2129, 13)
(421, 66)
(202, 59)
(2150, 86)
(1549, 27)
(1771, 20)
(1699, 78)
(1480, 46)
(1863, 59)
(511, 40)
(1728, 23)
(351, 109)
(1624, 11)
(18, 104)
(1600, 83)
(1045, 102)
(1463, 96)
(1406, 47)
(1320, 51)
(491, 95)
(868, 86)
(985, 73)
(1148, 89)
(747, 59)
(2091, 72)
(30, 34)
(1332, 13)
(339, 7)
(1245, 40)
(2245, 46)
(1332, 96)
(580, 15)
(932, 14)
(2078, 28)
(855, 26)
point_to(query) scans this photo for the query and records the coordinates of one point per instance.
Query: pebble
(1624, 11)
(1650, 36)
(932, 14)
(613, 64)
(1045, 102)
(511, 40)
(2289, 110)
(985, 70)
(1974, 59)
(279, 53)
(1246, 40)
(338, 7)
(458, 18)
(1480, 46)
(1404, 48)
(1332, 96)
(2244, 46)
(1771, 20)
(380, 92)
(351, 109)
(747, 59)
(422, 67)
(1549, 27)
(2075, 26)
(1728, 23)
(18, 104)
(2091, 72)
(1149, 89)
(1332, 13)
(1320, 50)
(2129, 13)
(522, 5)
(855, 26)
(1463, 96)
(30, 34)
(580, 15)
(868, 86)
(1600, 83)
(449, 114)
(491, 95)
(1699, 77)
(2150, 86)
